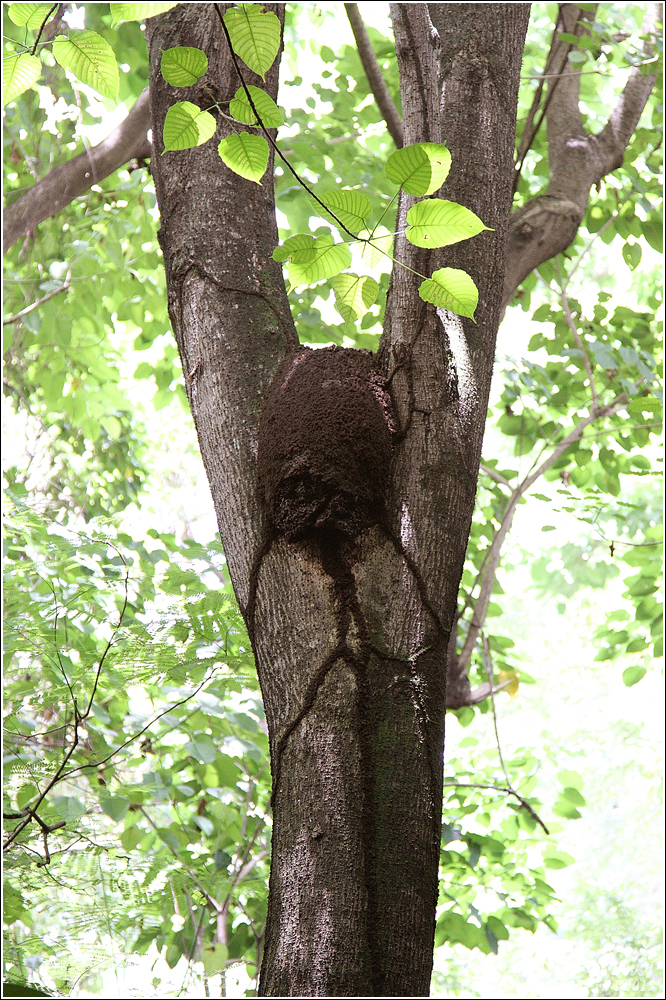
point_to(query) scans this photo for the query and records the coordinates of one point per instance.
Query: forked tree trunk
(350, 637)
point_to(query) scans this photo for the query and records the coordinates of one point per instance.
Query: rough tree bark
(353, 674)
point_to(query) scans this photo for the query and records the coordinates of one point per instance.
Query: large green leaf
(18, 73)
(450, 288)
(375, 251)
(246, 155)
(437, 223)
(268, 111)
(255, 36)
(186, 125)
(30, 14)
(182, 65)
(90, 58)
(312, 258)
(354, 294)
(632, 675)
(137, 11)
(214, 958)
(353, 208)
(419, 169)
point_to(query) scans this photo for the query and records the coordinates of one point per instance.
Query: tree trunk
(350, 630)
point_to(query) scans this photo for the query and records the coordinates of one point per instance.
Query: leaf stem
(43, 25)
(269, 137)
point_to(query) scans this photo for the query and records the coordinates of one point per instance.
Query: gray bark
(353, 682)
(547, 225)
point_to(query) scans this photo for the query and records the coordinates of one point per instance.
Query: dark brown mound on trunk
(325, 438)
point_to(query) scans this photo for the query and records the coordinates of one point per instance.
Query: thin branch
(494, 474)
(72, 179)
(506, 791)
(374, 74)
(211, 899)
(581, 347)
(43, 25)
(530, 130)
(113, 634)
(270, 138)
(625, 116)
(489, 675)
(40, 302)
(493, 555)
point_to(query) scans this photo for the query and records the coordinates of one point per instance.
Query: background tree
(233, 306)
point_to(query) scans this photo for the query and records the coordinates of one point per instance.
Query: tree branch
(492, 562)
(74, 178)
(616, 134)
(556, 60)
(546, 225)
(374, 74)
(35, 305)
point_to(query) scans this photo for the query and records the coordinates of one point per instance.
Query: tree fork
(357, 812)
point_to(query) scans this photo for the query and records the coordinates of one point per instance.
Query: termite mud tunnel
(325, 443)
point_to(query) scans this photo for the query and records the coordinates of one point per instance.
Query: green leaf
(632, 675)
(240, 109)
(452, 926)
(137, 11)
(214, 958)
(202, 748)
(577, 57)
(90, 58)
(30, 14)
(437, 223)
(374, 252)
(354, 294)
(68, 807)
(419, 169)
(18, 73)
(182, 65)
(571, 779)
(255, 36)
(246, 155)
(313, 258)
(632, 254)
(654, 234)
(573, 795)
(352, 207)
(186, 126)
(450, 288)
(115, 806)
(558, 859)
(497, 928)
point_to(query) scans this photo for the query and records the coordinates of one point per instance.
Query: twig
(493, 555)
(489, 675)
(113, 634)
(35, 305)
(506, 791)
(494, 474)
(156, 718)
(530, 130)
(564, 301)
(43, 25)
(270, 138)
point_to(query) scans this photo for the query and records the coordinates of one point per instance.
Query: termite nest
(325, 445)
